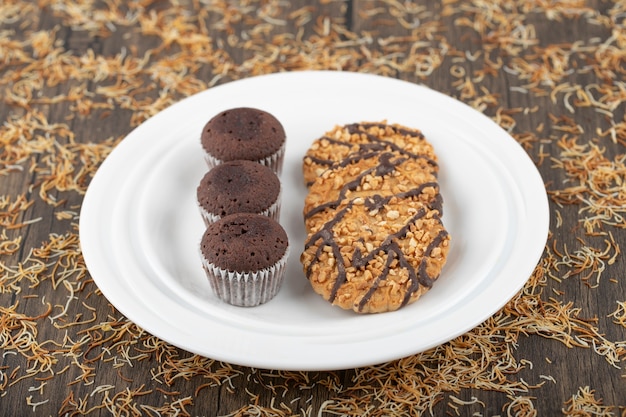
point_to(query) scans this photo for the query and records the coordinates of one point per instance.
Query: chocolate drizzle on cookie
(386, 165)
(372, 147)
(417, 276)
(419, 226)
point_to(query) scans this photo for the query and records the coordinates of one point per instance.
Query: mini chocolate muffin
(239, 187)
(244, 133)
(244, 256)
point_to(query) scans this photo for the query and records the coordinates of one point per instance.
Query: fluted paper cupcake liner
(246, 289)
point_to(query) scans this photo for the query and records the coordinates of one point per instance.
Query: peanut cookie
(359, 140)
(375, 238)
(377, 176)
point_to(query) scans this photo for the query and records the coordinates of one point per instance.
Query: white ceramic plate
(140, 226)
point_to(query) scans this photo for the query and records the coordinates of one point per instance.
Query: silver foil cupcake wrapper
(246, 289)
(272, 211)
(274, 161)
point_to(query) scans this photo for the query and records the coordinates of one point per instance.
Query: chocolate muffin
(239, 187)
(244, 133)
(244, 256)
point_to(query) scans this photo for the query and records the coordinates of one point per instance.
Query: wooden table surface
(77, 77)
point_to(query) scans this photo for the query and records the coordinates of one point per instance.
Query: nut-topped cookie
(375, 239)
(360, 140)
(378, 176)
(373, 263)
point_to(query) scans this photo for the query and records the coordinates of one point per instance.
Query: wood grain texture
(87, 73)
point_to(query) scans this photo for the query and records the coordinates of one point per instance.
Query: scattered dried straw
(62, 86)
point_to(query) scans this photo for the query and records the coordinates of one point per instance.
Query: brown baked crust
(375, 238)
(244, 242)
(238, 186)
(242, 133)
